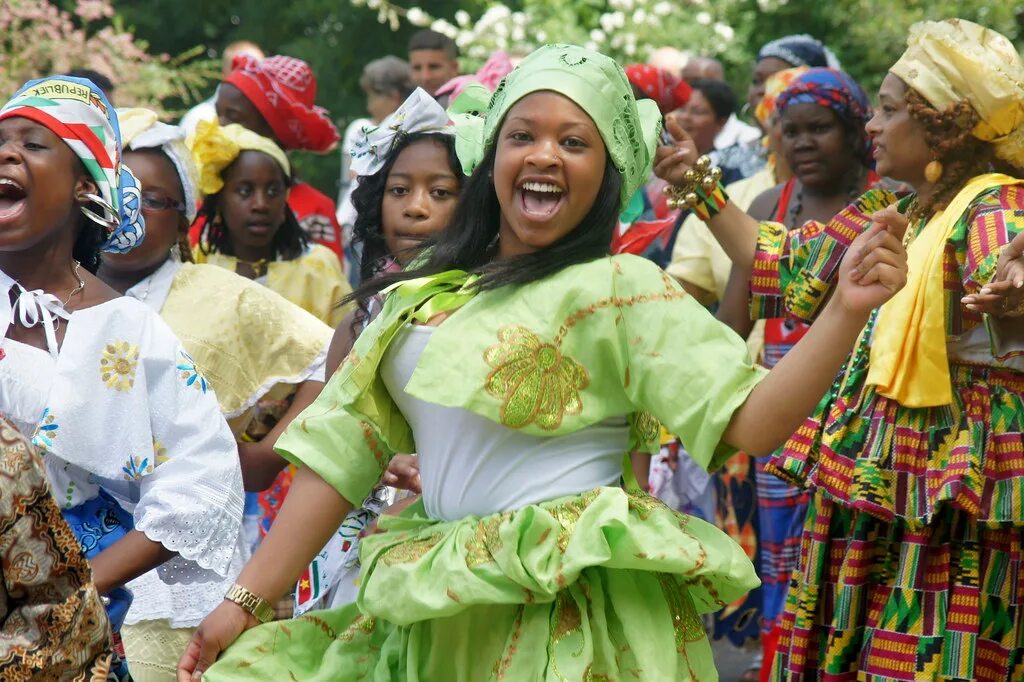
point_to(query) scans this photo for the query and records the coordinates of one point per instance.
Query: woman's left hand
(1004, 294)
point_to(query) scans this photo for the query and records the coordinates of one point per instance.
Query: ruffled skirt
(605, 585)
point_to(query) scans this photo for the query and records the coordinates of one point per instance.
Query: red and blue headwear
(79, 113)
(835, 90)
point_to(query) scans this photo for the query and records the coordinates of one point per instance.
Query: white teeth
(542, 187)
(8, 181)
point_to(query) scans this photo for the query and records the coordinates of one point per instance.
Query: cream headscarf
(955, 60)
(141, 129)
(946, 62)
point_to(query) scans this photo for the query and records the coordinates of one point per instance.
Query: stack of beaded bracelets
(703, 191)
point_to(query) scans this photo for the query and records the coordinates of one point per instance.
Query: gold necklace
(258, 267)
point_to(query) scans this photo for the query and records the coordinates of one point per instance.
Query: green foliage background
(337, 38)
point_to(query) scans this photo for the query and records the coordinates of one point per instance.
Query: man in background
(433, 58)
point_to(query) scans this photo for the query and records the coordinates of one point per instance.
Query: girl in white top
(140, 459)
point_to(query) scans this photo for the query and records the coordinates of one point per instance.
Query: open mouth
(540, 200)
(12, 198)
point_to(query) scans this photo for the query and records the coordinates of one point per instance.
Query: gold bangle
(256, 605)
(698, 183)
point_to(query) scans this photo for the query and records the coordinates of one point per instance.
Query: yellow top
(243, 337)
(313, 281)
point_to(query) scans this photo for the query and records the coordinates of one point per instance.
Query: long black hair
(88, 241)
(289, 242)
(368, 198)
(470, 242)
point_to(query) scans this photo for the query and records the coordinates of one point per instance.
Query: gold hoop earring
(933, 171)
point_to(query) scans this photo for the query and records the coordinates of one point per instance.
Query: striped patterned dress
(912, 554)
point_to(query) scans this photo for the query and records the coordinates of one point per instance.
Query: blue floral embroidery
(136, 468)
(46, 431)
(190, 373)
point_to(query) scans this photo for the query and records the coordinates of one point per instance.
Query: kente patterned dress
(52, 623)
(573, 577)
(912, 550)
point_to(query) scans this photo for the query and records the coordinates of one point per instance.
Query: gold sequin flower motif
(534, 381)
(118, 364)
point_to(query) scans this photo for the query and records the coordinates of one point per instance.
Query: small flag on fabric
(308, 588)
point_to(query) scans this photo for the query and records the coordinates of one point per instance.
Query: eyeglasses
(152, 201)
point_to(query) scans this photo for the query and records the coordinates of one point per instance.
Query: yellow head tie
(215, 147)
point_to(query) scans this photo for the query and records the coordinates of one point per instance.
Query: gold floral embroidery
(410, 551)
(486, 541)
(568, 514)
(643, 504)
(646, 427)
(118, 364)
(502, 666)
(159, 452)
(567, 618)
(536, 383)
(362, 625)
(371, 441)
(685, 620)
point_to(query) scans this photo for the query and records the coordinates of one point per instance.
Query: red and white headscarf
(283, 89)
(667, 91)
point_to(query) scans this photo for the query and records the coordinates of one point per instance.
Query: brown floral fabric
(52, 623)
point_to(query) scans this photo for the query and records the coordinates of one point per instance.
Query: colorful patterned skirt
(876, 601)
(607, 585)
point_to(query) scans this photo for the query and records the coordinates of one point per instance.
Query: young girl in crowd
(249, 229)
(244, 338)
(522, 363)
(409, 183)
(915, 527)
(140, 459)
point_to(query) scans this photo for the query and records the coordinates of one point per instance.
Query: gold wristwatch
(259, 607)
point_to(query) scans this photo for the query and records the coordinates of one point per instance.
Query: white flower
(591, 45)
(518, 34)
(597, 35)
(417, 17)
(662, 8)
(607, 23)
(703, 18)
(725, 31)
(639, 16)
(462, 18)
(542, 36)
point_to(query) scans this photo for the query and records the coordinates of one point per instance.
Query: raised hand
(672, 161)
(875, 266)
(1004, 294)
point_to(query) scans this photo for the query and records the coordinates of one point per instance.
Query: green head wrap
(594, 82)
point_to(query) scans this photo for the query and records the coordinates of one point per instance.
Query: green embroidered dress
(606, 584)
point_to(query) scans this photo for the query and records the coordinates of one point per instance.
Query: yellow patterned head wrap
(955, 60)
(214, 148)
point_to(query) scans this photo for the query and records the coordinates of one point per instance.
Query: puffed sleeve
(189, 492)
(794, 270)
(682, 366)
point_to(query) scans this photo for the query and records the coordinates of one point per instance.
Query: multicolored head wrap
(594, 82)
(78, 112)
(668, 92)
(956, 60)
(774, 86)
(833, 90)
(283, 89)
(215, 147)
(799, 50)
(141, 129)
(420, 113)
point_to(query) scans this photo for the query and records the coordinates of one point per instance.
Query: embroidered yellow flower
(536, 383)
(118, 364)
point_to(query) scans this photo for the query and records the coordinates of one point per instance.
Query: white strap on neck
(32, 308)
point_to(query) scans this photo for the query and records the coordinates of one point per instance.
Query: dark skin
(234, 107)
(816, 145)
(762, 70)
(260, 464)
(253, 202)
(37, 235)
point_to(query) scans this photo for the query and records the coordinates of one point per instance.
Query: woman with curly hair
(914, 536)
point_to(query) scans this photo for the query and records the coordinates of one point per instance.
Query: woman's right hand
(215, 634)
(404, 473)
(672, 161)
